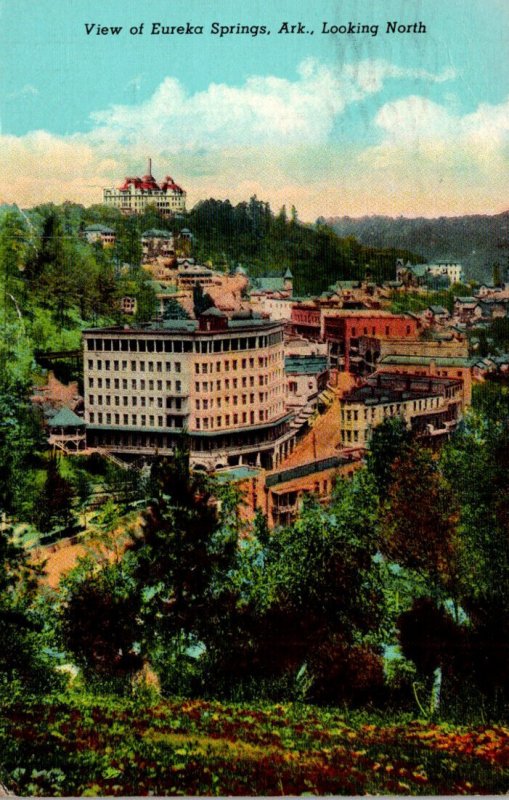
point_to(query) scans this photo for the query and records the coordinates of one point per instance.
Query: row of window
(124, 383)
(125, 400)
(152, 366)
(244, 418)
(135, 420)
(207, 403)
(390, 410)
(167, 345)
(352, 436)
(243, 363)
(218, 386)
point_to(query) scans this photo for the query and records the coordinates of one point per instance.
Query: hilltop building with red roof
(136, 194)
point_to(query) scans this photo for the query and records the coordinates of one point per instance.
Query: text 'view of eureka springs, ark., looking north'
(254, 398)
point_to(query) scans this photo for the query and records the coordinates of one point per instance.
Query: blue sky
(336, 124)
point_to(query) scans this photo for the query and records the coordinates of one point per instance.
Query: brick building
(343, 329)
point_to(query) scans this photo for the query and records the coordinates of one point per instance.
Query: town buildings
(136, 194)
(220, 381)
(157, 244)
(100, 233)
(420, 274)
(431, 406)
(345, 329)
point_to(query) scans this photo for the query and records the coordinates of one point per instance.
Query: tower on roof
(288, 281)
(136, 193)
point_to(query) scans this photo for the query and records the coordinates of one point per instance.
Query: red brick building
(306, 320)
(343, 329)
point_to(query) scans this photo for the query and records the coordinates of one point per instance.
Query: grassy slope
(104, 746)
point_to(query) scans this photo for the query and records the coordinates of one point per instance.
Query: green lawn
(102, 746)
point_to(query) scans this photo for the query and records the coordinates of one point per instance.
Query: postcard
(254, 397)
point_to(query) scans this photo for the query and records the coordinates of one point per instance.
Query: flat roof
(364, 312)
(184, 326)
(440, 361)
(305, 365)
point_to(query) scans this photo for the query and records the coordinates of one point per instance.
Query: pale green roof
(65, 418)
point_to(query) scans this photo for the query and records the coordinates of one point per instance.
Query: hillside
(91, 745)
(477, 241)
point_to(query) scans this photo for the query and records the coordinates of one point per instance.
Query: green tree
(55, 506)
(178, 558)
(100, 624)
(22, 659)
(389, 441)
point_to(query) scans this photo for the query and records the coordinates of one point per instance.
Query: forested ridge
(478, 241)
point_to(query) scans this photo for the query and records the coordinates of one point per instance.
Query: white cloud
(263, 108)
(275, 137)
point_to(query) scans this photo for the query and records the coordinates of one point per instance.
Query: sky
(345, 123)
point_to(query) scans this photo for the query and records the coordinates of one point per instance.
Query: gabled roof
(154, 233)
(98, 229)
(65, 418)
(213, 312)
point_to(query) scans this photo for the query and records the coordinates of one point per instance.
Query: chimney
(149, 167)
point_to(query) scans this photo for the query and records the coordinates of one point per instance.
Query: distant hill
(477, 241)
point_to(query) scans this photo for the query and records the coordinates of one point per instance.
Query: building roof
(213, 312)
(154, 233)
(467, 300)
(305, 365)
(416, 360)
(288, 274)
(270, 284)
(366, 313)
(438, 309)
(420, 270)
(65, 418)
(99, 229)
(383, 388)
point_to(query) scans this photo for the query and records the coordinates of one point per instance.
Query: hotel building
(219, 380)
(136, 194)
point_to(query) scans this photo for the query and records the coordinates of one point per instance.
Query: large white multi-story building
(136, 194)
(219, 380)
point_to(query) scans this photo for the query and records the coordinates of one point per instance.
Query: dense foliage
(477, 241)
